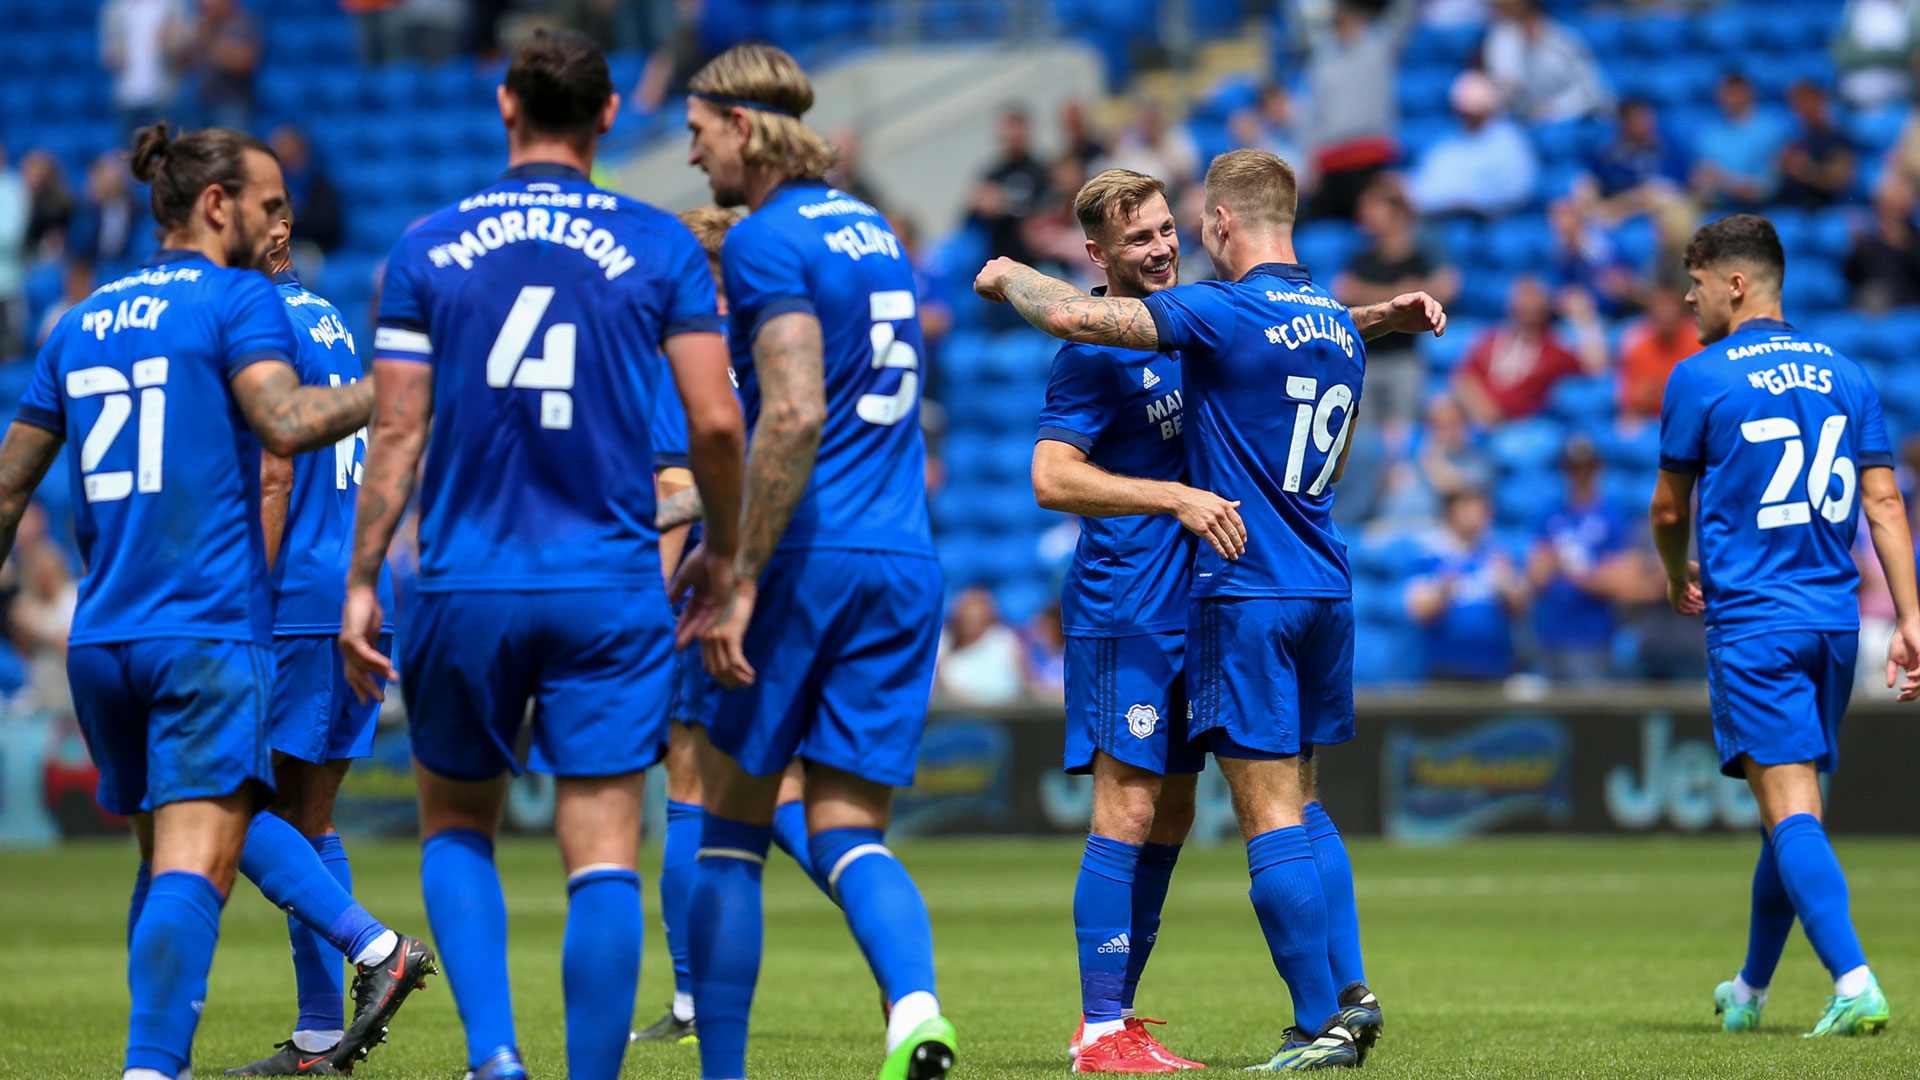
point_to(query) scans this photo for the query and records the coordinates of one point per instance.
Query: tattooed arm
(1065, 312)
(294, 419)
(679, 508)
(1408, 313)
(25, 454)
(395, 445)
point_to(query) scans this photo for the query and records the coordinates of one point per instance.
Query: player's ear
(741, 122)
(509, 106)
(1095, 253)
(217, 205)
(609, 113)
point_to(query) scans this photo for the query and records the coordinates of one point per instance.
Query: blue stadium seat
(1638, 449)
(1522, 444)
(1519, 243)
(1325, 246)
(1525, 499)
(1814, 284)
(1422, 92)
(1659, 35)
(1729, 30)
(1583, 403)
(1021, 598)
(1603, 31)
(1443, 46)
(1444, 353)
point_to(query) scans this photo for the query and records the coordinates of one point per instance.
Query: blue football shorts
(1778, 697)
(843, 646)
(595, 663)
(1127, 698)
(1270, 677)
(172, 719)
(314, 715)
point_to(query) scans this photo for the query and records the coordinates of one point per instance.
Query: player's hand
(705, 581)
(359, 629)
(1685, 596)
(1416, 313)
(992, 277)
(1213, 519)
(1903, 654)
(722, 647)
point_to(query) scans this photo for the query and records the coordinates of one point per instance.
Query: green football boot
(927, 1054)
(1865, 1013)
(1733, 1015)
(1332, 1047)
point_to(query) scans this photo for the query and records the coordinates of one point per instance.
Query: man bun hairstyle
(561, 80)
(180, 168)
(1748, 239)
(775, 92)
(1257, 186)
(1111, 197)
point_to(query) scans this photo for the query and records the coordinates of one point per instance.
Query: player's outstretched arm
(25, 454)
(293, 419)
(396, 442)
(1064, 480)
(1065, 312)
(276, 494)
(1886, 513)
(1671, 516)
(1408, 313)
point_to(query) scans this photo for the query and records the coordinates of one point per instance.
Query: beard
(247, 251)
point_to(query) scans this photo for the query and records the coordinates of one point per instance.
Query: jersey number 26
(1776, 508)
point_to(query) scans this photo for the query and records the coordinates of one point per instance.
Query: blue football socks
(1772, 919)
(289, 873)
(884, 908)
(469, 919)
(600, 968)
(1103, 925)
(1336, 885)
(1151, 876)
(790, 836)
(1293, 915)
(142, 881)
(1811, 873)
(317, 972)
(724, 932)
(167, 964)
(679, 856)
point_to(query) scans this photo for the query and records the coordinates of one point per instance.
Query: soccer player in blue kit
(1273, 368)
(170, 653)
(317, 727)
(830, 643)
(1783, 439)
(518, 353)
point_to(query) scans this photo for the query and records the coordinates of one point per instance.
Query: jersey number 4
(1776, 508)
(552, 374)
(116, 407)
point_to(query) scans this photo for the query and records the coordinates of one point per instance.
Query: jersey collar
(286, 277)
(173, 255)
(795, 183)
(548, 169)
(1766, 325)
(1290, 271)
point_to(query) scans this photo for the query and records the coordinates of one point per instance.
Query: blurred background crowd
(1536, 164)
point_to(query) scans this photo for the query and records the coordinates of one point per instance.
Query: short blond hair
(1257, 186)
(709, 225)
(1111, 197)
(764, 75)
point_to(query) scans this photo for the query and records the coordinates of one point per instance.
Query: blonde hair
(709, 224)
(765, 76)
(1257, 186)
(1112, 196)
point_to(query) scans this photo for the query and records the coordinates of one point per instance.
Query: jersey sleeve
(256, 325)
(1080, 402)
(1875, 450)
(1683, 425)
(1197, 320)
(669, 428)
(42, 405)
(402, 333)
(691, 308)
(765, 276)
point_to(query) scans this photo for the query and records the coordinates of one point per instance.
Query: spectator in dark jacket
(1884, 265)
(316, 206)
(1817, 165)
(107, 228)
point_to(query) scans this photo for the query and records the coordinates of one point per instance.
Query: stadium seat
(1583, 403)
(1521, 445)
(1325, 246)
(1524, 500)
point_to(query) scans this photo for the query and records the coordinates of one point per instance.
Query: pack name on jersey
(152, 275)
(572, 200)
(139, 313)
(1166, 412)
(861, 239)
(1309, 299)
(553, 226)
(1779, 380)
(1316, 327)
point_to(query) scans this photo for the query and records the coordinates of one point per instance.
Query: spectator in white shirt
(1544, 72)
(1487, 167)
(981, 658)
(143, 43)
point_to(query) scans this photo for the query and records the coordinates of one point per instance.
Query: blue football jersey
(811, 248)
(165, 470)
(1777, 426)
(1122, 408)
(316, 547)
(541, 303)
(1273, 368)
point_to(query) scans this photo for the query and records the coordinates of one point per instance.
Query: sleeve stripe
(40, 418)
(1055, 433)
(394, 339)
(1161, 329)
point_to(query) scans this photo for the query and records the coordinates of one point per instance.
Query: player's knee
(1173, 814)
(1123, 814)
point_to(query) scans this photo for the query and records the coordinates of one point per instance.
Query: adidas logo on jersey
(1120, 944)
(1149, 380)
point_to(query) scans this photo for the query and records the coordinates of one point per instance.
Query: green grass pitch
(1507, 958)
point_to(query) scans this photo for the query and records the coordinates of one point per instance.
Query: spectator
(1011, 189)
(1585, 258)
(1545, 73)
(52, 204)
(846, 174)
(1084, 144)
(1577, 569)
(76, 284)
(1443, 462)
(1675, 219)
(1649, 351)
(1626, 176)
(1735, 158)
(1873, 49)
(1668, 646)
(1155, 147)
(1511, 369)
(316, 206)
(227, 53)
(980, 656)
(106, 227)
(1393, 262)
(144, 44)
(1353, 110)
(1045, 642)
(1817, 164)
(16, 213)
(379, 30)
(1268, 125)
(1465, 594)
(1884, 265)
(1053, 233)
(42, 615)
(936, 316)
(1487, 167)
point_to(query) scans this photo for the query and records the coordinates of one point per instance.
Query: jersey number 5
(1775, 509)
(150, 377)
(552, 374)
(886, 309)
